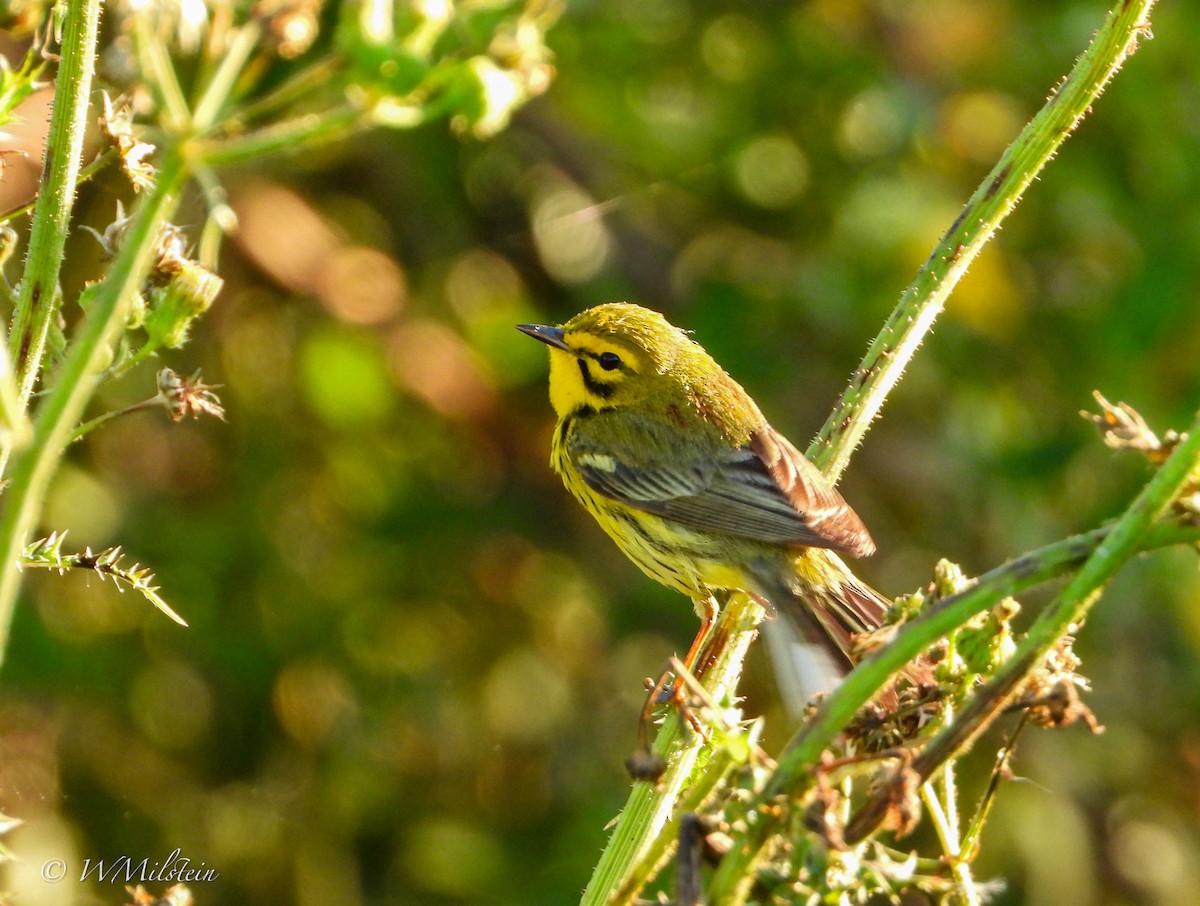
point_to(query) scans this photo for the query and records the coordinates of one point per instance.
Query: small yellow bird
(678, 465)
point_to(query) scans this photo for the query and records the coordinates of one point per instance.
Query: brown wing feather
(811, 494)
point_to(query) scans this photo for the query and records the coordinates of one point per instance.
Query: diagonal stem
(648, 825)
(1069, 608)
(923, 300)
(89, 350)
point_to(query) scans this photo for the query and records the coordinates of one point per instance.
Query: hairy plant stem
(946, 827)
(110, 300)
(1000, 191)
(75, 380)
(39, 299)
(941, 805)
(649, 824)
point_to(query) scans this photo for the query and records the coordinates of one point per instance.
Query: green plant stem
(38, 300)
(147, 350)
(941, 618)
(971, 839)
(946, 823)
(292, 136)
(155, 61)
(76, 378)
(649, 824)
(923, 300)
(312, 77)
(837, 709)
(946, 827)
(217, 93)
(1065, 612)
(92, 424)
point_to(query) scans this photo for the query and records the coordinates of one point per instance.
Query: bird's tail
(820, 607)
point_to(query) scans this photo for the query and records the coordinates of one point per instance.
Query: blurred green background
(414, 664)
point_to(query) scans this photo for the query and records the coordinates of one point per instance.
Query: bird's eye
(609, 361)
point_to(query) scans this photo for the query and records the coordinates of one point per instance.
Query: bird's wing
(764, 491)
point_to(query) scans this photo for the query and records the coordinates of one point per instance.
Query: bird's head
(620, 355)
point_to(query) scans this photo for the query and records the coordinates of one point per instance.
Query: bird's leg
(696, 661)
(669, 689)
(696, 658)
(670, 686)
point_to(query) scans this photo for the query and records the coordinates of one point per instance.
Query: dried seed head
(1124, 429)
(188, 396)
(903, 787)
(114, 233)
(1051, 696)
(116, 124)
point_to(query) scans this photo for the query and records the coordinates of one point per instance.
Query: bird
(680, 467)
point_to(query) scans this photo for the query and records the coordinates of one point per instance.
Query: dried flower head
(171, 249)
(110, 239)
(1124, 429)
(1051, 696)
(188, 396)
(116, 123)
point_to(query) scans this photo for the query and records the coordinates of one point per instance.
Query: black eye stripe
(593, 386)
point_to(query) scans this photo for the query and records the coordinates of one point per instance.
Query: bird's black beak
(551, 336)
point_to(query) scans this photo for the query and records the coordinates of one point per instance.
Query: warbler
(680, 467)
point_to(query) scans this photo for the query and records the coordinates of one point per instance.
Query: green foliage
(17, 84)
(47, 553)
